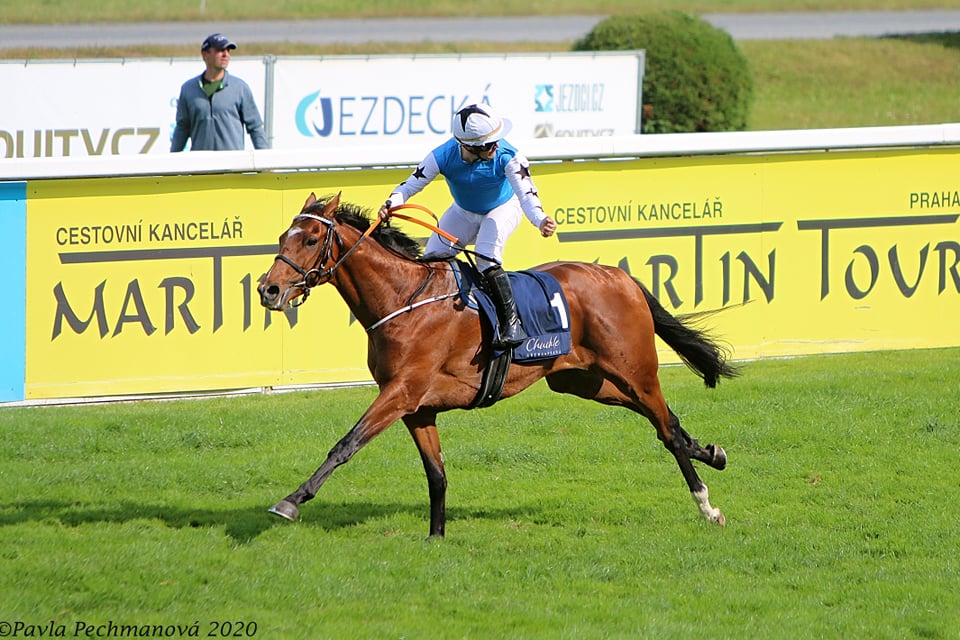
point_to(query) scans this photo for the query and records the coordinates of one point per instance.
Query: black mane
(358, 218)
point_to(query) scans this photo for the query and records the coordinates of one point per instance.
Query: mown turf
(566, 519)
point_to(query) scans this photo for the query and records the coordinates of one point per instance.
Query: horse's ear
(331, 207)
(310, 200)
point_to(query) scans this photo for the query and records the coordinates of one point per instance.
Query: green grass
(48, 11)
(854, 82)
(566, 519)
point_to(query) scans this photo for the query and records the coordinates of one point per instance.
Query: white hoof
(709, 513)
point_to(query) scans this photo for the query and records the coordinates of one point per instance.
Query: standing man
(214, 108)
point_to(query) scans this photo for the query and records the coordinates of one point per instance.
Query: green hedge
(696, 79)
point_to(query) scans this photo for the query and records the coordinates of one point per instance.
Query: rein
(432, 227)
(316, 276)
(453, 240)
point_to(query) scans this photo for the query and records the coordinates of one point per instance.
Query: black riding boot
(511, 331)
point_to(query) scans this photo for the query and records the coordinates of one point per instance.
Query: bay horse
(426, 353)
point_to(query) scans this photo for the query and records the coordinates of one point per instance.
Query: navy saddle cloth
(542, 307)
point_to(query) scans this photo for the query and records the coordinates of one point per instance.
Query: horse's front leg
(381, 414)
(423, 428)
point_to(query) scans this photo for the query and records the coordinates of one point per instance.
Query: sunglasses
(490, 146)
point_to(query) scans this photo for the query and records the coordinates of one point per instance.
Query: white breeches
(488, 233)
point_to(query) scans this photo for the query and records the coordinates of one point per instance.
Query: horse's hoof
(286, 509)
(709, 513)
(719, 459)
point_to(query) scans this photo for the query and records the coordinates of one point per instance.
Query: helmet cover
(476, 125)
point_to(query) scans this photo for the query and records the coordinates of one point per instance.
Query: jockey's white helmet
(478, 124)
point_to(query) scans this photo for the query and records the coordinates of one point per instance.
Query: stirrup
(511, 335)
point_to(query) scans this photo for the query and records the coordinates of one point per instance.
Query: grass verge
(69, 11)
(566, 519)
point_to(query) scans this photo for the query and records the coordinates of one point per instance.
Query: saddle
(543, 310)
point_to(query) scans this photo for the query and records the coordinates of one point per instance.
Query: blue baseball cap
(217, 41)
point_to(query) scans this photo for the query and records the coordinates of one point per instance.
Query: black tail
(695, 347)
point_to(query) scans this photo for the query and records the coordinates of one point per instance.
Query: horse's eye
(311, 242)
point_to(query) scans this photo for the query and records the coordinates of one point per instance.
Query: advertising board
(128, 107)
(13, 264)
(389, 99)
(147, 285)
(99, 107)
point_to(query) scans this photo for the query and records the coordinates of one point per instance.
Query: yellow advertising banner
(148, 285)
(809, 253)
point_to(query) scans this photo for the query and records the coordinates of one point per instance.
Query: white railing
(540, 149)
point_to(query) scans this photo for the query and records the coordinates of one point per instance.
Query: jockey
(491, 187)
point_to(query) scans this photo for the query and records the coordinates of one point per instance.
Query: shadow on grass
(946, 39)
(242, 524)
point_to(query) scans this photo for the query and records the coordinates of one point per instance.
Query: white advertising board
(78, 108)
(345, 100)
(95, 108)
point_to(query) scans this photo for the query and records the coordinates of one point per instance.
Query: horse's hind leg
(711, 455)
(592, 387)
(423, 428)
(682, 446)
(673, 439)
(648, 401)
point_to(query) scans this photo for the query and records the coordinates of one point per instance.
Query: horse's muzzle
(271, 297)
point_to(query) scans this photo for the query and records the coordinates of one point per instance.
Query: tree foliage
(696, 79)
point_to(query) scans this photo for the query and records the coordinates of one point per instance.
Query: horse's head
(305, 250)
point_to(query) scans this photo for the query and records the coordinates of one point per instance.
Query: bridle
(317, 275)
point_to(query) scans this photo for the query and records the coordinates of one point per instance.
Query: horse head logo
(314, 116)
